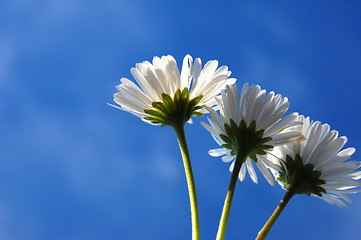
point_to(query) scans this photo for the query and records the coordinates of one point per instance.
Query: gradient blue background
(71, 167)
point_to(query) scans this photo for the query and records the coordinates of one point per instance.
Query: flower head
(251, 124)
(165, 95)
(318, 166)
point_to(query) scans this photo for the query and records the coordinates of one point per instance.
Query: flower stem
(268, 225)
(179, 129)
(228, 201)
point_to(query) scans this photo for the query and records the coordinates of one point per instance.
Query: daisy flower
(318, 166)
(167, 96)
(247, 128)
(251, 125)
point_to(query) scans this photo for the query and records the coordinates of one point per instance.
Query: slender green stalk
(179, 129)
(228, 201)
(268, 225)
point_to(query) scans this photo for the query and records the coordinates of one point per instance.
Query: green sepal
(177, 95)
(161, 107)
(196, 99)
(198, 107)
(252, 127)
(198, 114)
(261, 152)
(228, 129)
(155, 113)
(233, 125)
(300, 178)
(245, 139)
(253, 156)
(155, 120)
(226, 146)
(184, 93)
(168, 101)
(174, 111)
(225, 138)
(243, 124)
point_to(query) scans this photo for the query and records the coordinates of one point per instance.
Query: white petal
(283, 138)
(218, 152)
(289, 121)
(266, 173)
(251, 171)
(228, 158)
(143, 83)
(242, 173)
(186, 71)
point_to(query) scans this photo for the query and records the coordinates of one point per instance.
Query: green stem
(267, 227)
(228, 201)
(179, 129)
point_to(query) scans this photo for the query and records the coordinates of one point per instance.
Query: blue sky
(71, 167)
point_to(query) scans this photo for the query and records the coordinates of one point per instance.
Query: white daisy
(318, 166)
(166, 95)
(251, 124)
